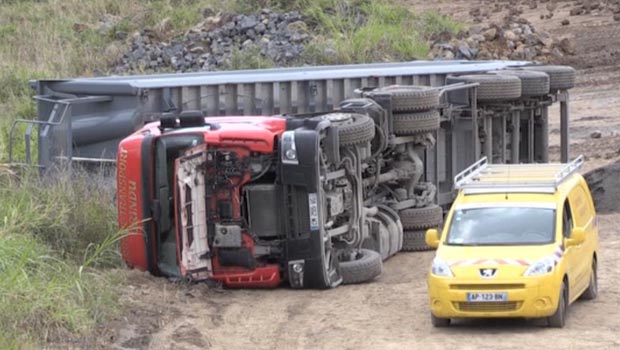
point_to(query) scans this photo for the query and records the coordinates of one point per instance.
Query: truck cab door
(191, 214)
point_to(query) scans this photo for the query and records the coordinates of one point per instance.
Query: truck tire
(414, 123)
(353, 128)
(415, 241)
(364, 268)
(533, 83)
(422, 218)
(492, 87)
(412, 98)
(560, 77)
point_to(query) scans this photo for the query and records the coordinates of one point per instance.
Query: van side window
(567, 220)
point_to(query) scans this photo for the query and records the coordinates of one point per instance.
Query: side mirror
(432, 238)
(577, 236)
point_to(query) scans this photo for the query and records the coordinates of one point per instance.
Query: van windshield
(502, 226)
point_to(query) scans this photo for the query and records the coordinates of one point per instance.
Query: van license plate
(487, 297)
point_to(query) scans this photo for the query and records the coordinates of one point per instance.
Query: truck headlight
(289, 150)
(441, 268)
(541, 267)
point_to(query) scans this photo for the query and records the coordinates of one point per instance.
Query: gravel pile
(278, 37)
(514, 38)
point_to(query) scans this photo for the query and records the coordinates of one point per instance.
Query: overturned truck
(349, 166)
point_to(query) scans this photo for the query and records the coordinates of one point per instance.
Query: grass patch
(53, 237)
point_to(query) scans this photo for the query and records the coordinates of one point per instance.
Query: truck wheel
(414, 123)
(558, 319)
(592, 291)
(533, 83)
(353, 128)
(560, 77)
(492, 87)
(324, 272)
(414, 241)
(439, 322)
(365, 267)
(422, 218)
(411, 98)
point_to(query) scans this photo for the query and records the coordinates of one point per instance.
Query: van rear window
(502, 226)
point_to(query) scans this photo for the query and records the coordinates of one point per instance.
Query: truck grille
(486, 286)
(488, 306)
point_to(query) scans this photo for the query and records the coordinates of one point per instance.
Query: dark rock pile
(514, 38)
(211, 45)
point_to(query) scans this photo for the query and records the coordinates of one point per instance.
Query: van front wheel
(558, 319)
(439, 321)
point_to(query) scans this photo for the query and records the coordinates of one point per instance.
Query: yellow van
(519, 241)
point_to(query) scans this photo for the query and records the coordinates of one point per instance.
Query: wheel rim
(329, 260)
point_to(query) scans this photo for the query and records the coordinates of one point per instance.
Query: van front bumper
(528, 297)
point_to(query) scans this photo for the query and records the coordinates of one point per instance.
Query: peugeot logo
(488, 273)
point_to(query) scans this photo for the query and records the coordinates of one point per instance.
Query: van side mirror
(432, 238)
(577, 237)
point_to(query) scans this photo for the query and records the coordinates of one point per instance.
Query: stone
(465, 52)
(475, 29)
(596, 134)
(509, 35)
(448, 55)
(548, 42)
(555, 52)
(477, 38)
(532, 39)
(576, 11)
(198, 50)
(490, 34)
(565, 22)
(247, 22)
(484, 55)
(260, 28)
(567, 46)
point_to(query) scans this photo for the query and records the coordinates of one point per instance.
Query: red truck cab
(207, 199)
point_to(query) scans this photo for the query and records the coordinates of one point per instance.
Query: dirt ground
(393, 312)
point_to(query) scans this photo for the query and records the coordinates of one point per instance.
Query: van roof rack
(482, 177)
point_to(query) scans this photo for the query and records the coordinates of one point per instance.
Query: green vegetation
(57, 240)
(54, 239)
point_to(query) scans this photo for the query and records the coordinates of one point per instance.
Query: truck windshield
(502, 226)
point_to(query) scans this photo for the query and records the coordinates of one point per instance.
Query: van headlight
(441, 268)
(541, 267)
(289, 150)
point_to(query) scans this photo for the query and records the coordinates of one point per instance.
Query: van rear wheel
(592, 290)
